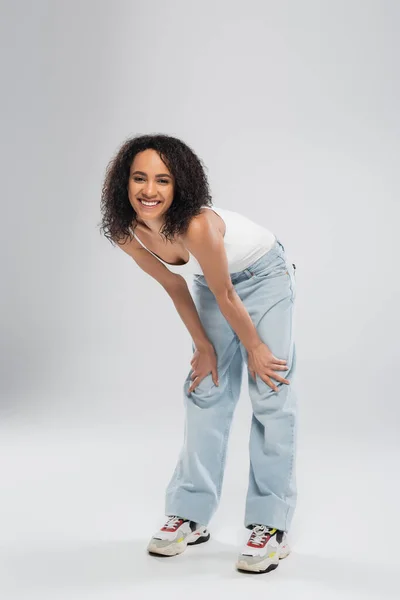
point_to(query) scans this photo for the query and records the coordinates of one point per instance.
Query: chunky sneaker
(176, 535)
(266, 546)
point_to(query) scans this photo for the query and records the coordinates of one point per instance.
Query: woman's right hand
(203, 362)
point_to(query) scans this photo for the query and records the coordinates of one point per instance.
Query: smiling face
(150, 180)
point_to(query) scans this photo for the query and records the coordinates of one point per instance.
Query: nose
(149, 189)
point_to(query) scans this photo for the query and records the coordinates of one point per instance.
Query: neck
(152, 226)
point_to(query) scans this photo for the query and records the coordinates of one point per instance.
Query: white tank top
(245, 242)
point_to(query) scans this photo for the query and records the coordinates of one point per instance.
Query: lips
(149, 207)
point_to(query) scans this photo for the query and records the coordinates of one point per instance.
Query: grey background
(293, 106)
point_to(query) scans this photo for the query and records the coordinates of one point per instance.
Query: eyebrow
(158, 175)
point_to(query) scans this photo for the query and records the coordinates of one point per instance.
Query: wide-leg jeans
(267, 289)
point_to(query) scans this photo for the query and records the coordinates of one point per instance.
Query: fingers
(279, 365)
(265, 379)
(278, 361)
(194, 377)
(270, 383)
(194, 384)
(281, 379)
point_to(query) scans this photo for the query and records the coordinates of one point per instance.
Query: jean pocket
(292, 275)
(275, 267)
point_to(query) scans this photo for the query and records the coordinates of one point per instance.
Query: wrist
(254, 346)
(204, 344)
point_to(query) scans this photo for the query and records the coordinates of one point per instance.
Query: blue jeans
(267, 289)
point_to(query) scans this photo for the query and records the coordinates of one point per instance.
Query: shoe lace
(259, 534)
(173, 521)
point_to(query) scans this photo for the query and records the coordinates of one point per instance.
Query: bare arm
(176, 287)
(206, 243)
(187, 310)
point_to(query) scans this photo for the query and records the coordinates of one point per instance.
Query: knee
(205, 394)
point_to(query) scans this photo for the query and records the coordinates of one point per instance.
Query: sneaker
(263, 551)
(176, 535)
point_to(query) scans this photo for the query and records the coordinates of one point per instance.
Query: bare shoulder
(207, 220)
(169, 280)
(129, 245)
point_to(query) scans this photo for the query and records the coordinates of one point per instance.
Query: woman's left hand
(261, 361)
(203, 362)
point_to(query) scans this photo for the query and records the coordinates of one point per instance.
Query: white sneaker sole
(266, 565)
(177, 547)
(171, 550)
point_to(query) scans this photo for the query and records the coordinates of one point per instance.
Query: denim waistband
(276, 249)
(238, 276)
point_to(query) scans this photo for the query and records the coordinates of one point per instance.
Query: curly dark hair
(191, 189)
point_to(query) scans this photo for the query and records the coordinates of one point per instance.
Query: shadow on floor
(119, 563)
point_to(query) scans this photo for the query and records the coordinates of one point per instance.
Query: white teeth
(148, 203)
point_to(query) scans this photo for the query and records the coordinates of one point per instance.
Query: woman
(157, 208)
